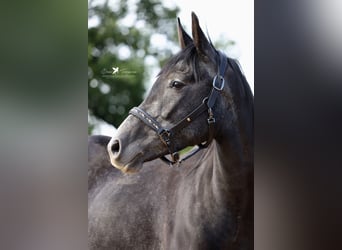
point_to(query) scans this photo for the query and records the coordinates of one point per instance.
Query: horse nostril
(115, 147)
(114, 150)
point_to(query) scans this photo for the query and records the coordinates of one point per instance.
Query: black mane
(243, 97)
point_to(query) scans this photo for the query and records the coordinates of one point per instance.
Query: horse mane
(243, 96)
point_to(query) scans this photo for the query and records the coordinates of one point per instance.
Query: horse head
(188, 105)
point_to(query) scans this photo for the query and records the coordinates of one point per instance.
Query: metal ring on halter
(220, 79)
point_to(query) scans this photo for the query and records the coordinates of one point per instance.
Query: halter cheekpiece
(166, 134)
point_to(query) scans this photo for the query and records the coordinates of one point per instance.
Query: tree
(117, 48)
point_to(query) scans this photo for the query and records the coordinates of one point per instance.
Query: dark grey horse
(204, 202)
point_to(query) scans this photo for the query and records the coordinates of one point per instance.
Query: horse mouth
(132, 166)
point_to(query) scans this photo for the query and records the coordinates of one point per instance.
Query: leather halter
(166, 134)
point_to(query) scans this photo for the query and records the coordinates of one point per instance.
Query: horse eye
(177, 84)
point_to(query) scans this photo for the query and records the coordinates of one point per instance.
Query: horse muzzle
(127, 164)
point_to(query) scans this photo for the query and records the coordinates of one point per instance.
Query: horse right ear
(203, 46)
(183, 37)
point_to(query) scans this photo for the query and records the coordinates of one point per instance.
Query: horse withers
(205, 199)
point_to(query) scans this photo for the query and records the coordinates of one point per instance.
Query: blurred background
(45, 77)
(136, 37)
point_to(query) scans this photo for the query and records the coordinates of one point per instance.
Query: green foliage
(114, 45)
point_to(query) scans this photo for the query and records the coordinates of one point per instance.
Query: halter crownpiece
(166, 134)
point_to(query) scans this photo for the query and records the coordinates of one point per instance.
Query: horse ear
(202, 44)
(183, 37)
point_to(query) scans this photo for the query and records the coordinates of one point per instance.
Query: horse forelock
(187, 60)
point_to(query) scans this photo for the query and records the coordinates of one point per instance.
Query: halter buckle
(218, 82)
(211, 118)
(164, 135)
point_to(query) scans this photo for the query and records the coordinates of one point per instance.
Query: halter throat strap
(166, 134)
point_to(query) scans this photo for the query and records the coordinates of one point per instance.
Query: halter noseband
(165, 134)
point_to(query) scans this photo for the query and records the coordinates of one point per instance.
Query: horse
(155, 198)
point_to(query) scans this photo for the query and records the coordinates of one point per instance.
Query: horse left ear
(183, 37)
(202, 44)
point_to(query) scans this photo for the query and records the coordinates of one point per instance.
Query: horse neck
(233, 163)
(220, 171)
(229, 164)
(235, 126)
